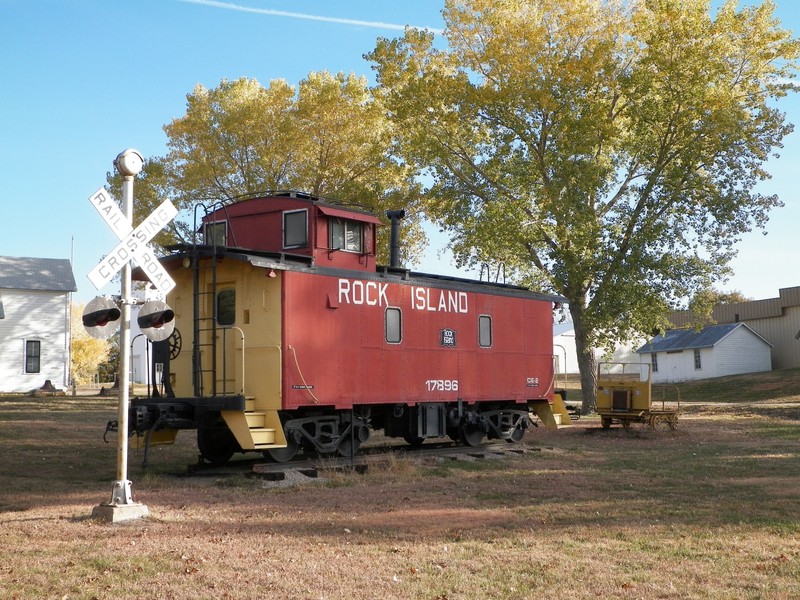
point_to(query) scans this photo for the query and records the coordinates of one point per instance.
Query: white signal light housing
(156, 320)
(101, 317)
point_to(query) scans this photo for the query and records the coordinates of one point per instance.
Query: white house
(34, 322)
(566, 355)
(714, 351)
(141, 348)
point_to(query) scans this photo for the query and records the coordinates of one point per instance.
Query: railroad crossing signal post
(132, 245)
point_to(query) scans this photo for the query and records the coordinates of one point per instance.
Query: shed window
(226, 307)
(394, 325)
(295, 228)
(33, 353)
(654, 362)
(485, 331)
(346, 235)
(697, 362)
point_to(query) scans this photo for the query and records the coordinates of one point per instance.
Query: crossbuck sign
(133, 242)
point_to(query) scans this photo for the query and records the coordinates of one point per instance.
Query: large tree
(607, 150)
(329, 137)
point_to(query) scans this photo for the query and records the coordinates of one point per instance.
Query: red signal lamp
(156, 320)
(101, 317)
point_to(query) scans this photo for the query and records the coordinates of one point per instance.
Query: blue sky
(83, 80)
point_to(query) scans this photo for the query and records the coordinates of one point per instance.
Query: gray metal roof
(688, 339)
(559, 328)
(39, 274)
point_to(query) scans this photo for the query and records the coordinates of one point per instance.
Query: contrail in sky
(293, 15)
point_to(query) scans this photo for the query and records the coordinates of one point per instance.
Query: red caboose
(299, 341)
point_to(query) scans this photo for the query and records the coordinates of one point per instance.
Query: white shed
(141, 347)
(777, 320)
(714, 351)
(566, 355)
(34, 322)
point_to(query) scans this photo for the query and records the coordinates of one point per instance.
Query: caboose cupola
(294, 223)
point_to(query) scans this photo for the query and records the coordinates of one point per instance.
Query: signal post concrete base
(115, 513)
(122, 507)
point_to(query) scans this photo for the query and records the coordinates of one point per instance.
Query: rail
(241, 335)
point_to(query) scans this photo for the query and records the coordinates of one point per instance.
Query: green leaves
(609, 149)
(329, 136)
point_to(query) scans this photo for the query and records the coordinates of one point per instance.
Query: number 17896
(442, 385)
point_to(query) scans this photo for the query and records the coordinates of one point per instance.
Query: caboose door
(217, 334)
(227, 348)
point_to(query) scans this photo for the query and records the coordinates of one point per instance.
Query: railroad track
(314, 467)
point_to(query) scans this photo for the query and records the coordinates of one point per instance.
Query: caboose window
(33, 353)
(226, 307)
(215, 234)
(485, 331)
(346, 235)
(394, 325)
(295, 228)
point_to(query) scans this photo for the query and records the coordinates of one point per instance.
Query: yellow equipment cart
(625, 396)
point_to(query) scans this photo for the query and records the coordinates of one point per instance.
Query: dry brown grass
(708, 511)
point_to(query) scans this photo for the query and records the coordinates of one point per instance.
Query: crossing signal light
(156, 320)
(101, 317)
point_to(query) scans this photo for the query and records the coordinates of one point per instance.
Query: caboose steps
(255, 430)
(262, 437)
(255, 420)
(259, 432)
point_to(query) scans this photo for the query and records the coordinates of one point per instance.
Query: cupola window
(346, 235)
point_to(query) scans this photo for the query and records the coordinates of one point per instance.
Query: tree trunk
(587, 361)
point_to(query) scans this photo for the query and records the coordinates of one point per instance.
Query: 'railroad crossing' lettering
(133, 242)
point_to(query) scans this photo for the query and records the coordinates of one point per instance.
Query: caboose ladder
(204, 324)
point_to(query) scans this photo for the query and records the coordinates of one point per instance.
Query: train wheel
(293, 443)
(282, 455)
(470, 435)
(216, 442)
(605, 422)
(660, 422)
(348, 447)
(413, 440)
(516, 435)
(352, 440)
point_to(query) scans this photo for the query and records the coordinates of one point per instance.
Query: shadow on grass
(710, 472)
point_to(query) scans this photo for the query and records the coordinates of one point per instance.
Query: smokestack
(394, 248)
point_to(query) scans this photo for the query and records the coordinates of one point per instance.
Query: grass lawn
(711, 510)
